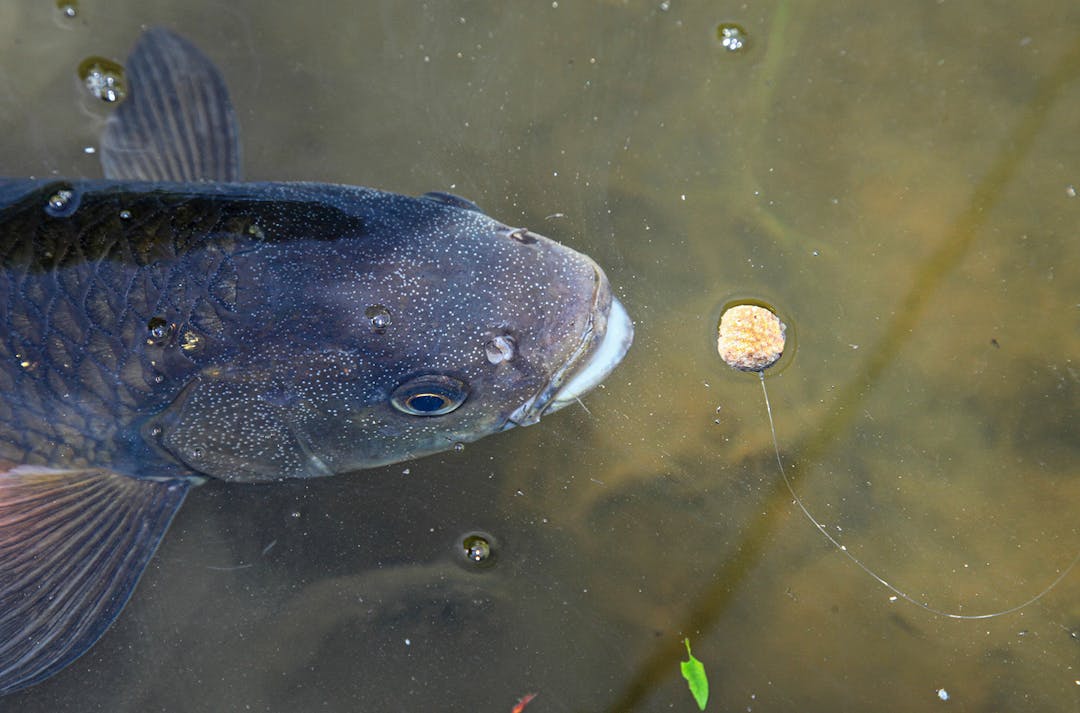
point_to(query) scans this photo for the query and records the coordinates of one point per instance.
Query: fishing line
(751, 338)
(881, 580)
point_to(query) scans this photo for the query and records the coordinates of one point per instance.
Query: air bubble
(732, 37)
(477, 549)
(63, 203)
(500, 348)
(459, 447)
(158, 331)
(68, 9)
(378, 317)
(125, 215)
(103, 78)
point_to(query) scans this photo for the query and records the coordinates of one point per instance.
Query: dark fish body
(227, 328)
(171, 324)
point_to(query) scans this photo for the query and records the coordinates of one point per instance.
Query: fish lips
(604, 343)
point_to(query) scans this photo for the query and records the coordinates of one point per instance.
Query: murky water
(895, 177)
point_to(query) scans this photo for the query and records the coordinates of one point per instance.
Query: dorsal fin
(177, 123)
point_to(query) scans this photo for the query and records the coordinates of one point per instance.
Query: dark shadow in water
(729, 573)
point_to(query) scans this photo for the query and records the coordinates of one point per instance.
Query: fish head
(433, 326)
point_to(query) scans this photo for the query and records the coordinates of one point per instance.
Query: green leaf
(694, 673)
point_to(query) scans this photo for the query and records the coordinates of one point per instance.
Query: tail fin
(73, 544)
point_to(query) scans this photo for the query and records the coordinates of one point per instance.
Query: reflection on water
(895, 178)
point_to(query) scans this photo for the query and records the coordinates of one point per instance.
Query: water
(895, 178)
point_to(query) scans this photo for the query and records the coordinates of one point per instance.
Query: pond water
(899, 179)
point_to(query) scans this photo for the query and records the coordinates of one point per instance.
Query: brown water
(894, 177)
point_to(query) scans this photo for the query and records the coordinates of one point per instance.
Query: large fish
(170, 324)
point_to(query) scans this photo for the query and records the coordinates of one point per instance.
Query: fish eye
(429, 395)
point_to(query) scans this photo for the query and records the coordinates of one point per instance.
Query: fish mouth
(590, 364)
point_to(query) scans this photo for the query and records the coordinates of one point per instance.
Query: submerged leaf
(694, 673)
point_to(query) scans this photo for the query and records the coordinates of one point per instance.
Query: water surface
(896, 178)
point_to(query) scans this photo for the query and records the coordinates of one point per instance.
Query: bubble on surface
(68, 9)
(751, 337)
(63, 203)
(158, 330)
(732, 37)
(379, 318)
(477, 549)
(103, 78)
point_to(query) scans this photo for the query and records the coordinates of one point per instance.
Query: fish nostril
(521, 235)
(500, 348)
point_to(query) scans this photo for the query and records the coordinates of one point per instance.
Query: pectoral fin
(177, 123)
(72, 547)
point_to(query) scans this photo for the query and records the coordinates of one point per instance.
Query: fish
(171, 323)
